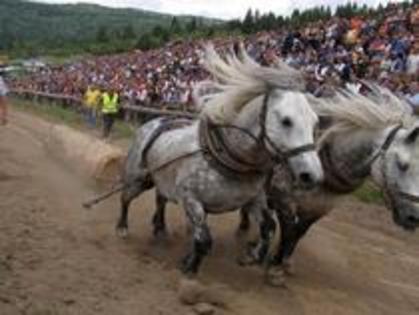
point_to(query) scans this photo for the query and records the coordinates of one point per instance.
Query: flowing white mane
(351, 111)
(237, 80)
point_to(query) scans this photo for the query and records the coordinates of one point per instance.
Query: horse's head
(289, 123)
(398, 173)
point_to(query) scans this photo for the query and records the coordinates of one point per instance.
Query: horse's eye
(402, 166)
(286, 122)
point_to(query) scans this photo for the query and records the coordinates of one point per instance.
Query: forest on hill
(35, 28)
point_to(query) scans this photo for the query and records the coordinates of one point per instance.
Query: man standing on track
(109, 110)
(3, 102)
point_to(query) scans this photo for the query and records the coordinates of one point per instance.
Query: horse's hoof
(288, 267)
(188, 266)
(188, 274)
(160, 234)
(187, 270)
(275, 276)
(122, 232)
(244, 228)
(188, 230)
(248, 257)
(184, 264)
(241, 233)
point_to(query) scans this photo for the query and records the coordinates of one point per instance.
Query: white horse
(219, 163)
(373, 135)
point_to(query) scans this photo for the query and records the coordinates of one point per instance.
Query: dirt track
(56, 258)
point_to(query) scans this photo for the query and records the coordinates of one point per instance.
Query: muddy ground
(57, 258)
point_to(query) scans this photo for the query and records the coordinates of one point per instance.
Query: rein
(408, 196)
(178, 158)
(385, 146)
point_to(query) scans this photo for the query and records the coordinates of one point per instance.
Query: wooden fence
(130, 112)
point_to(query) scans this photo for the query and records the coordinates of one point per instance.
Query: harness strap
(178, 158)
(334, 179)
(235, 157)
(167, 124)
(386, 145)
(338, 182)
(221, 154)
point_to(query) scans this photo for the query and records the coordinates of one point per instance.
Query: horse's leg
(129, 193)
(244, 224)
(293, 228)
(267, 225)
(202, 240)
(159, 221)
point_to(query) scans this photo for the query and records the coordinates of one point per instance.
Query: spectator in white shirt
(3, 102)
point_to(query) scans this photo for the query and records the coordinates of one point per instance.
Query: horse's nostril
(306, 179)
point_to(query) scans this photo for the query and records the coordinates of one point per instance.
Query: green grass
(369, 194)
(58, 114)
(49, 111)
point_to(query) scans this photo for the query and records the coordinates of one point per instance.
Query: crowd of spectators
(335, 52)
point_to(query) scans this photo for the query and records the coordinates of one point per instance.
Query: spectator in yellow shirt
(91, 103)
(110, 108)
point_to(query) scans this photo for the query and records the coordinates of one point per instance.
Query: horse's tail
(133, 169)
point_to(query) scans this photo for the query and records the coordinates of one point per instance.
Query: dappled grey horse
(219, 163)
(369, 136)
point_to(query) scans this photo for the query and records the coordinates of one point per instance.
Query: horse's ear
(412, 136)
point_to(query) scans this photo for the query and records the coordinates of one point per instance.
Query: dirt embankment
(57, 258)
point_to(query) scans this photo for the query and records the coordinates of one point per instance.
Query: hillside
(24, 23)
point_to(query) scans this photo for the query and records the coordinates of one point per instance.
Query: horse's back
(173, 145)
(133, 165)
(158, 142)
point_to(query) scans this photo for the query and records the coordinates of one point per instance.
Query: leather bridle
(280, 155)
(388, 196)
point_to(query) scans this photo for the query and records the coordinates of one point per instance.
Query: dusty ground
(57, 258)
